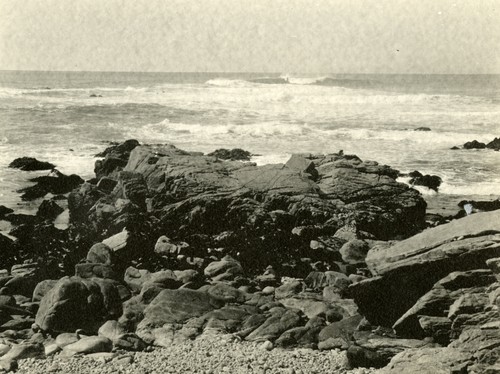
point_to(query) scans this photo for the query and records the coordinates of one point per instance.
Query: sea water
(68, 117)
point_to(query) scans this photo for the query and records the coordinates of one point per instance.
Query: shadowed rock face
(248, 210)
(409, 269)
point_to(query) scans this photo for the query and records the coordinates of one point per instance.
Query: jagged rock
(437, 303)
(4, 210)
(116, 158)
(494, 144)
(342, 329)
(422, 260)
(30, 164)
(256, 206)
(49, 209)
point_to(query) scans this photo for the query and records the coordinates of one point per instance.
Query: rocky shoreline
(323, 264)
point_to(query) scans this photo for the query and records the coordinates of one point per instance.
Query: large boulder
(76, 303)
(407, 270)
(30, 164)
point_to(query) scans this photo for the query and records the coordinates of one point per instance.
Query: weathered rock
(89, 344)
(225, 269)
(177, 306)
(66, 338)
(409, 269)
(354, 251)
(288, 289)
(78, 303)
(256, 206)
(91, 270)
(275, 326)
(30, 164)
(437, 303)
(116, 158)
(371, 350)
(429, 361)
(100, 254)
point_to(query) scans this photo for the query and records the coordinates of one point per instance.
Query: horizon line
(228, 72)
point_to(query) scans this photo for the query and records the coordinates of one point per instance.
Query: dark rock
(95, 270)
(115, 159)
(494, 144)
(233, 154)
(438, 302)
(4, 210)
(454, 148)
(407, 270)
(57, 184)
(430, 181)
(106, 184)
(481, 206)
(178, 194)
(49, 209)
(30, 164)
(474, 145)
(422, 129)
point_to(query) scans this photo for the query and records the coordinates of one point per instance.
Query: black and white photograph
(250, 186)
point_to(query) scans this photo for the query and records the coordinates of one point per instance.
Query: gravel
(210, 353)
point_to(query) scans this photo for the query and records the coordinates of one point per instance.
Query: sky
(308, 36)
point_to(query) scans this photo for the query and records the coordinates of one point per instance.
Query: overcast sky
(308, 36)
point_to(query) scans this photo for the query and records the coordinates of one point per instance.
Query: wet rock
(423, 128)
(430, 181)
(4, 210)
(233, 154)
(30, 164)
(58, 183)
(49, 209)
(474, 145)
(115, 158)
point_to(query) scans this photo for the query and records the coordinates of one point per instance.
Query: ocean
(68, 117)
